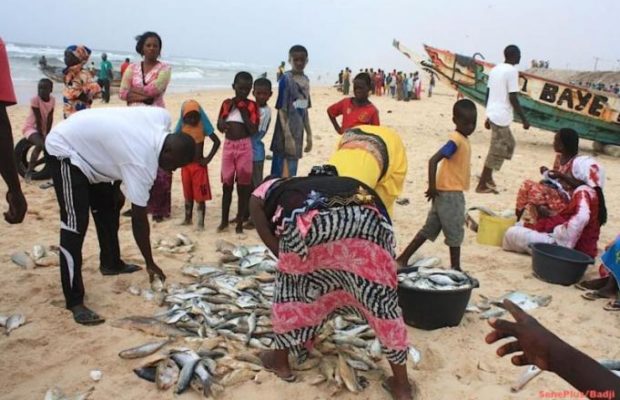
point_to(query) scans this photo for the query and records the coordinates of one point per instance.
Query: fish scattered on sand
(38, 252)
(226, 309)
(23, 260)
(56, 393)
(143, 350)
(13, 322)
(530, 372)
(493, 307)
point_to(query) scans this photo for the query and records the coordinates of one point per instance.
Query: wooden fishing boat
(547, 104)
(55, 74)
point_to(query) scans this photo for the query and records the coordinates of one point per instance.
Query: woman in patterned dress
(335, 247)
(545, 198)
(145, 83)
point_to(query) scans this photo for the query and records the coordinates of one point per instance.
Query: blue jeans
(277, 165)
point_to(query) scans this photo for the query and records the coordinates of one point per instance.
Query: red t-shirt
(354, 115)
(7, 95)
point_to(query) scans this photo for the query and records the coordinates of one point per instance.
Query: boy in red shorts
(195, 176)
(238, 120)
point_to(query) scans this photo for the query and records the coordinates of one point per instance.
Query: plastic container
(557, 264)
(491, 229)
(433, 309)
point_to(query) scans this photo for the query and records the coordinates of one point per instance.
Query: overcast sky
(337, 33)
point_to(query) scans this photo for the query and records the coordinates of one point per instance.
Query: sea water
(188, 74)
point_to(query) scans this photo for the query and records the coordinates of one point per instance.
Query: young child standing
(238, 120)
(356, 110)
(292, 105)
(195, 176)
(39, 121)
(445, 189)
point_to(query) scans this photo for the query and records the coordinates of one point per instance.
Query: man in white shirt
(503, 87)
(90, 153)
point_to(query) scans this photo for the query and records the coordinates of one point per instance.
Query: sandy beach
(456, 362)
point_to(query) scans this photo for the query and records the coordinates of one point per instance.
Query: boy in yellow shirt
(445, 189)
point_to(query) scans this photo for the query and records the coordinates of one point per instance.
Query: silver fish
(38, 252)
(184, 239)
(251, 260)
(224, 246)
(356, 364)
(188, 362)
(14, 322)
(198, 271)
(240, 251)
(142, 350)
(251, 327)
(347, 375)
(527, 375)
(23, 260)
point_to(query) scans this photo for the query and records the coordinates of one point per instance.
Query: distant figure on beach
(335, 245)
(446, 188)
(346, 81)
(356, 110)
(293, 120)
(431, 85)
(124, 66)
(535, 345)
(80, 89)
(145, 83)
(280, 71)
(90, 154)
(104, 77)
(14, 196)
(39, 121)
(43, 61)
(238, 120)
(193, 121)
(501, 101)
(378, 79)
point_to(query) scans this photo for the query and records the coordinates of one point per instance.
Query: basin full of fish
(224, 316)
(435, 279)
(39, 256)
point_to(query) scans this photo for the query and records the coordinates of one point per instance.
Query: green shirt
(105, 70)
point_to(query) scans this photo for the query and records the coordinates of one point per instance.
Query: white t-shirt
(503, 79)
(112, 144)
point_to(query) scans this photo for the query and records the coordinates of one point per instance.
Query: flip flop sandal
(125, 269)
(593, 295)
(487, 190)
(612, 306)
(87, 317)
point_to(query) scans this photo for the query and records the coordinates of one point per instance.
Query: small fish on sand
(14, 322)
(23, 260)
(143, 350)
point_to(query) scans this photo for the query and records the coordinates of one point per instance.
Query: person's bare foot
(399, 392)
(223, 226)
(239, 229)
(186, 222)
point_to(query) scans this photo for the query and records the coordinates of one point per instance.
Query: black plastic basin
(557, 264)
(433, 309)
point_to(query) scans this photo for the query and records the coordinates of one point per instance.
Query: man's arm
(431, 193)
(514, 100)
(216, 145)
(540, 347)
(141, 233)
(14, 195)
(308, 147)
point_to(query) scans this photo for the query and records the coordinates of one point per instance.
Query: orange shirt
(455, 171)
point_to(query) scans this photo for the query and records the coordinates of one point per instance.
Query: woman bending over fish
(335, 247)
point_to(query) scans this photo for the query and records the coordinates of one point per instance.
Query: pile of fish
(493, 307)
(12, 322)
(39, 256)
(225, 314)
(435, 279)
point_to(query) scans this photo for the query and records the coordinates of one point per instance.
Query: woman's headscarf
(81, 52)
(198, 132)
(588, 170)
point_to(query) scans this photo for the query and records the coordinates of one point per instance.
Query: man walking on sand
(503, 87)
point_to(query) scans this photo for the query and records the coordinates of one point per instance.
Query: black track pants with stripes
(75, 197)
